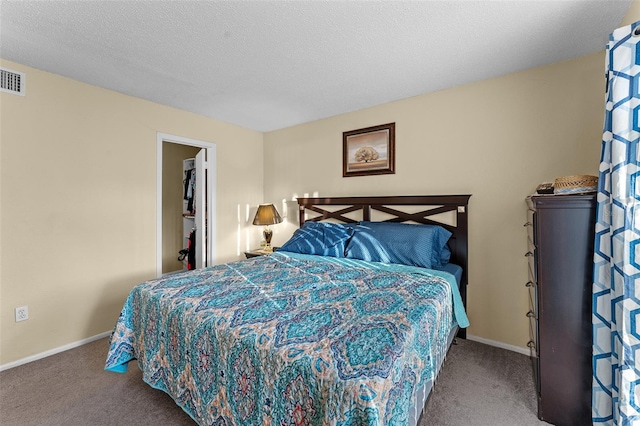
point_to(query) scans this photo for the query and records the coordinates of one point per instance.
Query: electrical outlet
(22, 313)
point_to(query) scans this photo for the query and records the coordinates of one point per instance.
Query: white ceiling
(266, 65)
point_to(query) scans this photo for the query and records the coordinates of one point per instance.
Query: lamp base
(268, 233)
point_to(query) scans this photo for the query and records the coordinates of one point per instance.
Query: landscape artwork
(369, 151)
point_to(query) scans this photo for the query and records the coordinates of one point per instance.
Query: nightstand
(258, 252)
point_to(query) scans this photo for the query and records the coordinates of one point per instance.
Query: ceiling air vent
(12, 82)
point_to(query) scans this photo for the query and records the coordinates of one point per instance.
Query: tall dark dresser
(561, 232)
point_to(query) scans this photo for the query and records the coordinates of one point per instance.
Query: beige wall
(78, 207)
(496, 139)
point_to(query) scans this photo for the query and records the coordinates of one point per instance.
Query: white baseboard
(520, 350)
(53, 351)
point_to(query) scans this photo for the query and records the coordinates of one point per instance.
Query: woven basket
(575, 184)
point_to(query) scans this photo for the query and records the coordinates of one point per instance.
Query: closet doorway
(185, 203)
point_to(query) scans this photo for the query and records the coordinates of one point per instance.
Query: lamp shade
(267, 215)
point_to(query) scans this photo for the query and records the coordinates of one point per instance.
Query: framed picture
(369, 151)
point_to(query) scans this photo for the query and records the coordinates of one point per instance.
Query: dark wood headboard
(400, 209)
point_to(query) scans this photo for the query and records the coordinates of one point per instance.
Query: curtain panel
(616, 297)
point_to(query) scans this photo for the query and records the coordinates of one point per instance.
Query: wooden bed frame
(400, 212)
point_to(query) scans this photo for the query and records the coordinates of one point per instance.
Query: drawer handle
(528, 224)
(531, 344)
(530, 314)
(529, 284)
(528, 254)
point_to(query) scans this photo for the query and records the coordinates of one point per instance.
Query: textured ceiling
(268, 65)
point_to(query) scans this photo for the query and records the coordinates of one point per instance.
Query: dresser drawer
(533, 334)
(533, 297)
(531, 261)
(531, 246)
(531, 215)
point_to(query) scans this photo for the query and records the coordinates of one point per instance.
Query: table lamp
(267, 215)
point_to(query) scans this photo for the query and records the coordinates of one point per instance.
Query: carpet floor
(479, 385)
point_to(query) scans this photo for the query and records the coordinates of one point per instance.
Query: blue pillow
(407, 244)
(320, 238)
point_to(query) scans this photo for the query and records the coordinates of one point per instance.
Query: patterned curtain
(616, 297)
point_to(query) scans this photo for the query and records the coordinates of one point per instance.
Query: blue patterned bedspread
(290, 339)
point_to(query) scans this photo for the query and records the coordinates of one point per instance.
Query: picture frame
(369, 151)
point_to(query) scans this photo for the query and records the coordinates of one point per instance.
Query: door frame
(211, 184)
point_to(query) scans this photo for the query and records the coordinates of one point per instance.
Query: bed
(347, 324)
